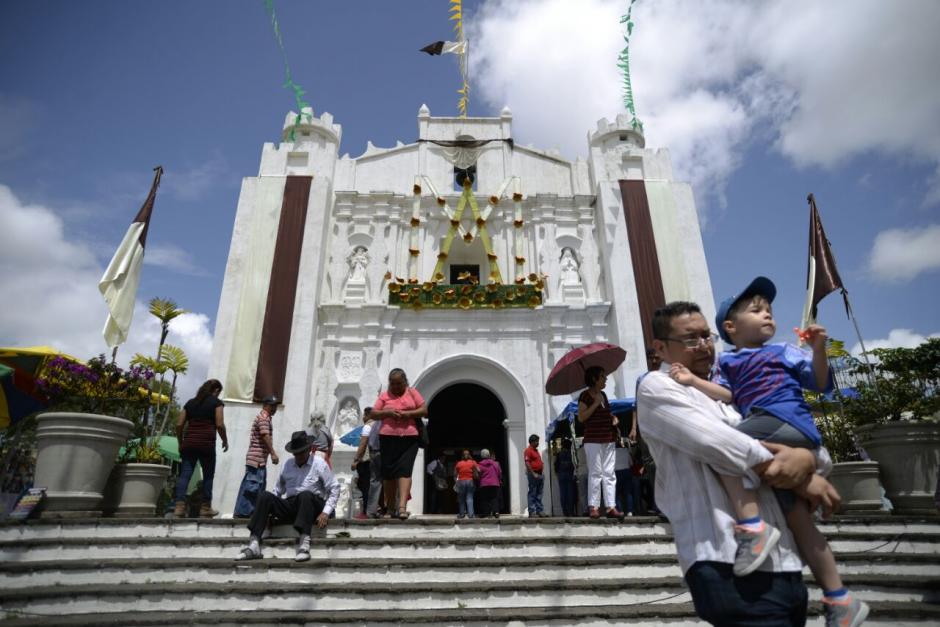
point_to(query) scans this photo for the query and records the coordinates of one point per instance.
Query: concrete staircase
(428, 571)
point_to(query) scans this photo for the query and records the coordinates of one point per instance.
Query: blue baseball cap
(761, 286)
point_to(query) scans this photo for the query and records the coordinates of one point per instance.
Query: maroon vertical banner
(649, 281)
(282, 289)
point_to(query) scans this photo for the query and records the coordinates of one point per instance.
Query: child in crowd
(765, 382)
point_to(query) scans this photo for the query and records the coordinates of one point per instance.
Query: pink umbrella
(568, 374)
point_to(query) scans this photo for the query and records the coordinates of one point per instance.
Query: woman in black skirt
(399, 408)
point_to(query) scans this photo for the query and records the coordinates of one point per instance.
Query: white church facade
(469, 261)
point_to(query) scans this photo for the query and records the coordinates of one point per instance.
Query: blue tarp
(352, 438)
(619, 407)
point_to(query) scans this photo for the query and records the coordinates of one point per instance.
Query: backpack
(374, 435)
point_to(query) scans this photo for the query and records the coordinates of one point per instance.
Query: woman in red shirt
(600, 436)
(398, 408)
(466, 471)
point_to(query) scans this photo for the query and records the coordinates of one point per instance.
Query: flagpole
(809, 312)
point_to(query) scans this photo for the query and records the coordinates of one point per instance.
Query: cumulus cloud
(173, 258)
(192, 183)
(897, 338)
(50, 283)
(902, 254)
(822, 81)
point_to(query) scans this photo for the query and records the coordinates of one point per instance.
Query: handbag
(423, 439)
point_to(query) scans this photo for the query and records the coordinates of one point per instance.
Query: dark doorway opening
(465, 415)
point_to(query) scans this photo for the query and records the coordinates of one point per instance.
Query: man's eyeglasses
(694, 342)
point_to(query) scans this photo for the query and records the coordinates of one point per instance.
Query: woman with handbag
(400, 408)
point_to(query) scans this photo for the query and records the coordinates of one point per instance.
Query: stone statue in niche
(569, 267)
(358, 261)
(347, 418)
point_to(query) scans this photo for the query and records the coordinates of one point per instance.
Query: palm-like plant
(165, 310)
(174, 359)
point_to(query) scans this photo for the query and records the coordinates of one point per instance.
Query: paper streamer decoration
(624, 65)
(456, 10)
(289, 82)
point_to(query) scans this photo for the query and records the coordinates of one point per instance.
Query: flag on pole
(822, 276)
(446, 47)
(119, 283)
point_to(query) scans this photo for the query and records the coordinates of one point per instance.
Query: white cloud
(174, 258)
(902, 254)
(823, 81)
(897, 338)
(194, 182)
(50, 283)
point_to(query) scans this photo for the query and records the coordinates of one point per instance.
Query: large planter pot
(133, 489)
(858, 485)
(909, 456)
(75, 455)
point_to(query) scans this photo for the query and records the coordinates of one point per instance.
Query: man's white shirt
(314, 476)
(692, 437)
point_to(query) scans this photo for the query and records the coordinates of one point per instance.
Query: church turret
(309, 146)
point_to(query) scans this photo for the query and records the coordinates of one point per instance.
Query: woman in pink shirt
(398, 408)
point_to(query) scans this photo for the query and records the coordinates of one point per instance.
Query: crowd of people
(740, 462)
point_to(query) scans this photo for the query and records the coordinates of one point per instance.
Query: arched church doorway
(466, 415)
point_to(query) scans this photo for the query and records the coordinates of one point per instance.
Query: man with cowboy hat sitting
(305, 492)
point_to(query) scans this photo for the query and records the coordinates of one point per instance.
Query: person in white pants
(600, 436)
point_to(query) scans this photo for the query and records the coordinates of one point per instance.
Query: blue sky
(93, 95)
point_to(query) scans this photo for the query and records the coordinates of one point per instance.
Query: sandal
(403, 514)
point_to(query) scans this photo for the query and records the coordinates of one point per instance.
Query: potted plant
(856, 479)
(896, 403)
(137, 480)
(94, 408)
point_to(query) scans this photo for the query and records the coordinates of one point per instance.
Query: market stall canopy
(168, 446)
(352, 437)
(619, 407)
(19, 396)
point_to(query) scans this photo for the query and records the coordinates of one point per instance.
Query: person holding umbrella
(588, 366)
(600, 436)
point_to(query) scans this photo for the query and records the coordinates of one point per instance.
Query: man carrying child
(692, 437)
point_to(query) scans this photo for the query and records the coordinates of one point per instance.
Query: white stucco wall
(343, 347)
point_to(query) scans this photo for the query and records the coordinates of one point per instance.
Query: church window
(457, 269)
(461, 174)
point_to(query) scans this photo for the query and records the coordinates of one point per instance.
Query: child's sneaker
(753, 547)
(846, 612)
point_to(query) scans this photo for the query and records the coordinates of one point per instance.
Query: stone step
(24, 575)
(647, 615)
(424, 526)
(468, 545)
(552, 592)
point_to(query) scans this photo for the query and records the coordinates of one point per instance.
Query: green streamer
(624, 65)
(297, 90)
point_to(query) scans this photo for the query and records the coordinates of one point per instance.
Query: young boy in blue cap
(766, 381)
